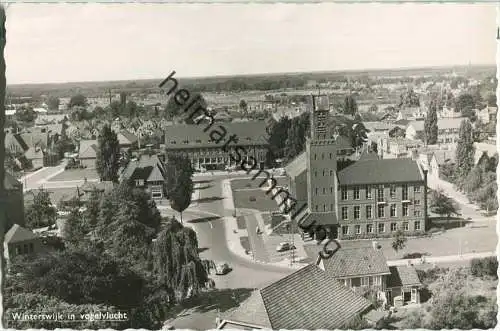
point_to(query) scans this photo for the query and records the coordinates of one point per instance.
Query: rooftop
(359, 261)
(403, 276)
(18, 234)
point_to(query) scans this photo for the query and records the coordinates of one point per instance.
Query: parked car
(282, 247)
(222, 268)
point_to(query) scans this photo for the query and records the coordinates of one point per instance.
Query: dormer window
(186, 141)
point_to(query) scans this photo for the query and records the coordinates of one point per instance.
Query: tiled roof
(443, 124)
(252, 311)
(297, 166)
(10, 182)
(403, 276)
(88, 149)
(380, 172)
(356, 262)
(146, 168)
(310, 299)
(18, 234)
(193, 136)
(126, 137)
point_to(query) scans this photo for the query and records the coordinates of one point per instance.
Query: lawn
(254, 199)
(75, 174)
(240, 220)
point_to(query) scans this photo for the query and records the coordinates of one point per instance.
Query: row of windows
(325, 172)
(380, 211)
(363, 281)
(380, 192)
(381, 228)
(330, 155)
(25, 249)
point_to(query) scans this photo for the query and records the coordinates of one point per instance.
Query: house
(30, 144)
(438, 159)
(20, 241)
(487, 114)
(87, 153)
(356, 198)
(307, 299)
(411, 113)
(393, 148)
(447, 112)
(448, 129)
(489, 148)
(126, 140)
(360, 267)
(15, 200)
(148, 172)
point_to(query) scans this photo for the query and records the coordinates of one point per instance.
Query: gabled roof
(356, 262)
(126, 138)
(18, 234)
(297, 166)
(443, 123)
(147, 168)
(403, 276)
(380, 172)
(307, 299)
(88, 149)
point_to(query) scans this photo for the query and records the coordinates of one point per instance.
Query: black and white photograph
(249, 166)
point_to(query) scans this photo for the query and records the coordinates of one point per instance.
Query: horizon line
(339, 71)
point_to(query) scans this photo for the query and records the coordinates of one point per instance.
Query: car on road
(284, 246)
(221, 268)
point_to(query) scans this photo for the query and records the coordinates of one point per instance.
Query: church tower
(322, 165)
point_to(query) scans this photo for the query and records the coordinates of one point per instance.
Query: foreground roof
(18, 234)
(352, 262)
(380, 172)
(307, 299)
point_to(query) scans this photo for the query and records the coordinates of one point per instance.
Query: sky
(102, 42)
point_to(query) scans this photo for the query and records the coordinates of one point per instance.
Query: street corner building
(349, 194)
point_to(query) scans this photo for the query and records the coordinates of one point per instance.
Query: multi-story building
(369, 197)
(207, 150)
(448, 129)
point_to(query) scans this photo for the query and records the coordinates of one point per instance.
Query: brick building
(367, 198)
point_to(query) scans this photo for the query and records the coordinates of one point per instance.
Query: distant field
(75, 174)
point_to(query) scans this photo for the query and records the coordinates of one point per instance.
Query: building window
(405, 209)
(365, 281)
(357, 228)
(377, 281)
(356, 193)
(315, 156)
(331, 190)
(324, 207)
(380, 193)
(405, 192)
(369, 192)
(381, 211)
(345, 230)
(416, 189)
(331, 172)
(322, 156)
(369, 228)
(139, 182)
(393, 210)
(393, 191)
(381, 227)
(316, 191)
(330, 156)
(315, 173)
(32, 248)
(406, 226)
(417, 202)
(316, 207)
(324, 190)
(344, 213)
(344, 194)
(417, 225)
(331, 207)
(323, 173)
(417, 213)
(394, 227)
(369, 212)
(356, 212)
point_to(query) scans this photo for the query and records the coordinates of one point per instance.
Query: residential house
(411, 114)
(487, 114)
(204, 152)
(20, 241)
(360, 268)
(15, 200)
(394, 148)
(448, 129)
(307, 299)
(126, 140)
(147, 172)
(440, 158)
(448, 112)
(29, 144)
(488, 147)
(87, 153)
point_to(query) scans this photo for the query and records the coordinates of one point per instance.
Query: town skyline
(245, 33)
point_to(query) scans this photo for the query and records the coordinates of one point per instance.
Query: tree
(443, 205)
(399, 240)
(465, 149)
(108, 155)
(464, 102)
(53, 103)
(431, 125)
(409, 99)
(77, 100)
(492, 100)
(41, 212)
(373, 108)
(296, 137)
(350, 105)
(131, 109)
(243, 106)
(180, 195)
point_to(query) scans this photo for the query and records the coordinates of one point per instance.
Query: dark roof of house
(193, 136)
(307, 299)
(18, 234)
(10, 182)
(380, 172)
(356, 262)
(403, 276)
(126, 137)
(145, 167)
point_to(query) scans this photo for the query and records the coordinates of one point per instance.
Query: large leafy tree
(108, 155)
(430, 124)
(443, 205)
(409, 99)
(41, 212)
(465, 149)
(399, 240)
(296, 136)
(77, 100)
(53, 103)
